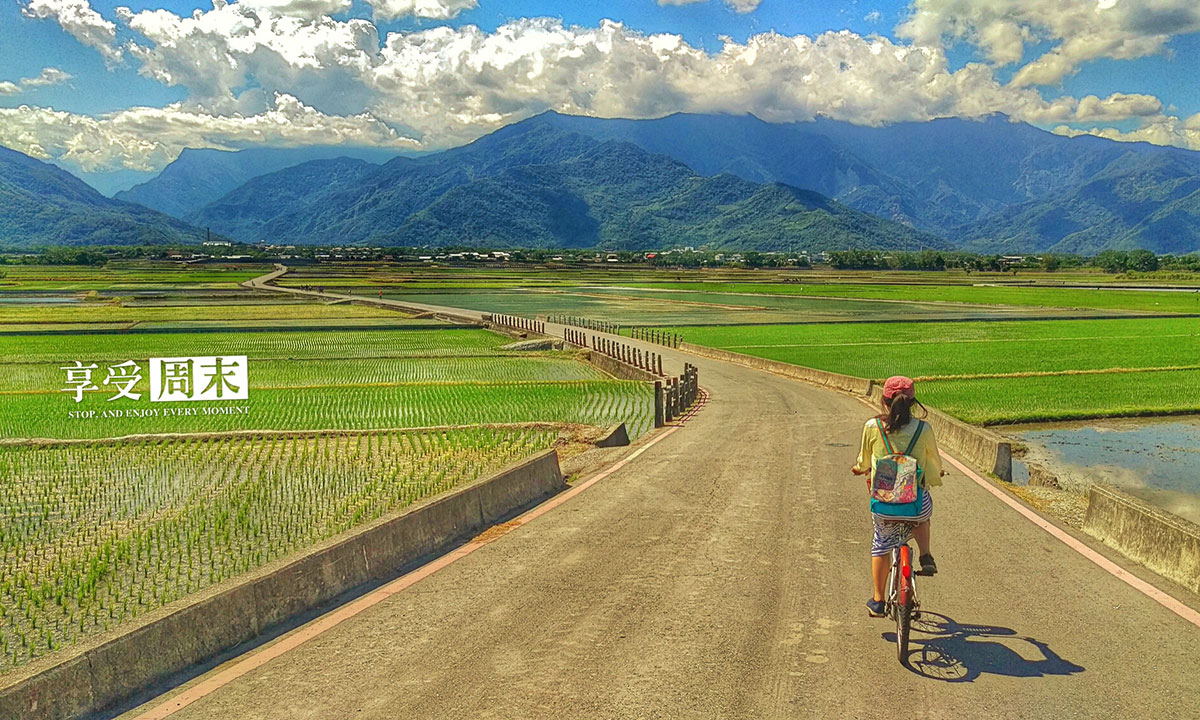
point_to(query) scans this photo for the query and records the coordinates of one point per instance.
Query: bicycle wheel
(903, 625)
(904, 604)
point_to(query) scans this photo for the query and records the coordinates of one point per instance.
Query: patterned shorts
(890, 534)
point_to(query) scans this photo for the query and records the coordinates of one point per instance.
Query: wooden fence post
(659, 414)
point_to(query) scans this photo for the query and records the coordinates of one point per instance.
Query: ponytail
(899, 412)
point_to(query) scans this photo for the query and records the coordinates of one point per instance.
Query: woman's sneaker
(928, 566)
(876, 608)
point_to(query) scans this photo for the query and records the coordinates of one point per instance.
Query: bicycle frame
(902, 580)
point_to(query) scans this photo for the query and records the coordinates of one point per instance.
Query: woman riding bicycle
(897, 422)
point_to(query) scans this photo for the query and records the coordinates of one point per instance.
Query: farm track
(722, 575)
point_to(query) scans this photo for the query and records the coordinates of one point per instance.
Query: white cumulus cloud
(738, 6)
(48, 76)
(79, 19)
(1160, 130)
(1082, 30)
(444, 85)
(297, 8)
(216, 54)
(145, 138)
(433, 9)
(743, 6)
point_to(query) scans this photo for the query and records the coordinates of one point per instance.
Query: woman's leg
(880, 566)
(921, 531)
(921, 535)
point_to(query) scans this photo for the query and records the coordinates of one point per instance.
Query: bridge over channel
(721, 574)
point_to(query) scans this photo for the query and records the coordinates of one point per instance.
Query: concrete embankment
(981, 447)
(1165, 543)
(109, 669)
(847, 383)
(618, 369)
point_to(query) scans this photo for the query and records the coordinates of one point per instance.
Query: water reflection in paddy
(1157, 460)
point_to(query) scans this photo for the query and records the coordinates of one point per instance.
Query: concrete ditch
(1167, 544)
(112, 668)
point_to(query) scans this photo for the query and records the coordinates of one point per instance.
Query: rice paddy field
(94, 535)
(631, 306)
(1000, 372)
(1095, 295)
(125, 276)
(112, 506)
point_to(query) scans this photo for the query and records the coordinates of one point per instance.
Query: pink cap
(898, 385)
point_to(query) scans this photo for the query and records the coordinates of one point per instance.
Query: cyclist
(899, 396)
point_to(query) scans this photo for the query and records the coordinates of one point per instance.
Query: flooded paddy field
(649, 307)
(1153, 459)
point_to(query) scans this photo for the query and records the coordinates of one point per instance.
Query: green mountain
(41, 204)
(200, 176)
(1140, 200)
(533, 185)
(989, 184)
(290, 206)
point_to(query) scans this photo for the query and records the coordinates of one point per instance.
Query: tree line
(1113, 261)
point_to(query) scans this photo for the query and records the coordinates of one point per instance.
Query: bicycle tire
(903, 626)
(904, 605)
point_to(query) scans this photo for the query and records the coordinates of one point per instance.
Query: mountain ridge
(200, 175)
(534, 185)
(42, 204)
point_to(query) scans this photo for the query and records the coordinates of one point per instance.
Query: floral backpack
(899, 483)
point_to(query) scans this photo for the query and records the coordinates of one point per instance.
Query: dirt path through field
(722, 575)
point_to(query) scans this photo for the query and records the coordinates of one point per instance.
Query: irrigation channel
(722, 573)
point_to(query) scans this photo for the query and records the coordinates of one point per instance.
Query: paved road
(722, 575)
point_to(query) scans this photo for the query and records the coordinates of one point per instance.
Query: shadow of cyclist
(943, 649)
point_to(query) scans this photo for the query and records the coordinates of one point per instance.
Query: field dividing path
(722, 574)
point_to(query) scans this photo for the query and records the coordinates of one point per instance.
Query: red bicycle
(903, 605)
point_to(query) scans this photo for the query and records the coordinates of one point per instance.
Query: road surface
(722, 575)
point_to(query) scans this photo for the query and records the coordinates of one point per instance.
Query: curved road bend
(723, 575)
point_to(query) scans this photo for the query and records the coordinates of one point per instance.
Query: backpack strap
(916, 435)
(883, 433)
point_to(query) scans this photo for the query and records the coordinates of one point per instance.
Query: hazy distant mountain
(1141, 199)
(535, 185)
(975, 181)
(197, 177)
(41, 204)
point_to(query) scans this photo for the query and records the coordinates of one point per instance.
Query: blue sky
(106, 85)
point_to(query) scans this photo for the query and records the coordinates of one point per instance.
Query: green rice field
(95, 535)
(1097, 297)
(98, 527)
(999, 372)
(646, 307)
(123, 276)
(15, 315)
(314, 380)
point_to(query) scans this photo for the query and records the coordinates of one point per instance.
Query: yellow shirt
(926, 451)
